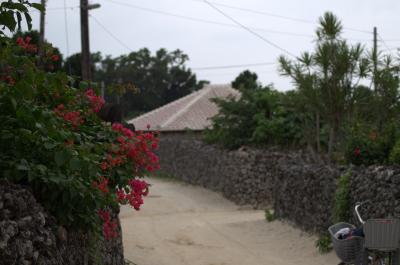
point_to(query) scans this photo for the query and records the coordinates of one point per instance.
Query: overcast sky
(135, 24)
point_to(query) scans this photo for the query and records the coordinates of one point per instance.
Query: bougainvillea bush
(52, 140)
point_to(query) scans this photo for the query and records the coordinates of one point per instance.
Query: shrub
(394, 157)
(341, 210)
(257, 117)
(270, 215)
(52, 140)
(324, 244)
(368, 149)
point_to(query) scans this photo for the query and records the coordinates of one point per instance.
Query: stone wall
(299, 189)
(380, 185)
(28, 235)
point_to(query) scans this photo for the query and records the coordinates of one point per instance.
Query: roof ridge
(186, 108)
(172, 103)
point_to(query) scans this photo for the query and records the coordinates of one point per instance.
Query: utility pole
(42, 27)
(375, 56)
(85, 53)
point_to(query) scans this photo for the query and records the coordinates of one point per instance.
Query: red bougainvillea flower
(104, 166)
(357, 151)
(74, 117)
(55, 58)
(20, 41)
(117, 126)
(26, 44)
(8, 79)
(121, 196)
(138, 189)
(96, 102)
(109, 227)
(102, 185)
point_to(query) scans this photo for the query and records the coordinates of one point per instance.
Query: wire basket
(382, 234)
(349, 250)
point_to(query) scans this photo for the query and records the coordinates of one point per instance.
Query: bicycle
(379, 245)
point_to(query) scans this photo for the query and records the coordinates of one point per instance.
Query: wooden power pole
(85, 53)
(42, 28)
(375, 56)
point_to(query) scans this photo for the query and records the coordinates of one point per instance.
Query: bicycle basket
(348, 250)
(382, 234)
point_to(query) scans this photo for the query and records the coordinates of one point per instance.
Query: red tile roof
(190, 112)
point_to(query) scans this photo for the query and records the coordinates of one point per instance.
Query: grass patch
(270, 215)
(324, 244)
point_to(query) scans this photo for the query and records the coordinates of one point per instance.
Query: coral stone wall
(28, 235)
(299, 189)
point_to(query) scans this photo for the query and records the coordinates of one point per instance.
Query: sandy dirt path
(181, 224)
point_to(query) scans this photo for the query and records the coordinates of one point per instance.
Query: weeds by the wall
(341, 210)
(324, 244)
(270, 215)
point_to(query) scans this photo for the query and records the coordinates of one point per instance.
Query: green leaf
(83, 85)
(16, 6)
(23, 165)
(74, 163)
(41, 168)
(49, 145)
(38, 6)
(61, 157)
(28, 20)
(19, 19)
(7, 19)
(5, 135)
(13, 102)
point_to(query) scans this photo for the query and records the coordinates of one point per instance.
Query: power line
(110, 33)
(231, 66)
(207, 21)
(302, 20)
(392, 40)
(384, 43)
(207, 76)
(249, 30)
(58, 8)
(195, 68)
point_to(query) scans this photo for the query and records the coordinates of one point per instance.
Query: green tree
(159, 78)
(246, 80)
(259, 116)
(72, 65)
(328, 77)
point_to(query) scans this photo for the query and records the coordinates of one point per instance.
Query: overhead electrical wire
(193, 68)
(232, 66)
(384, 43)
(207, 21)
(249, 30)
(110, 33)
(232, 73)
(302, 20)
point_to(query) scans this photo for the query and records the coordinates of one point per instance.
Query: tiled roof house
(192, 112)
